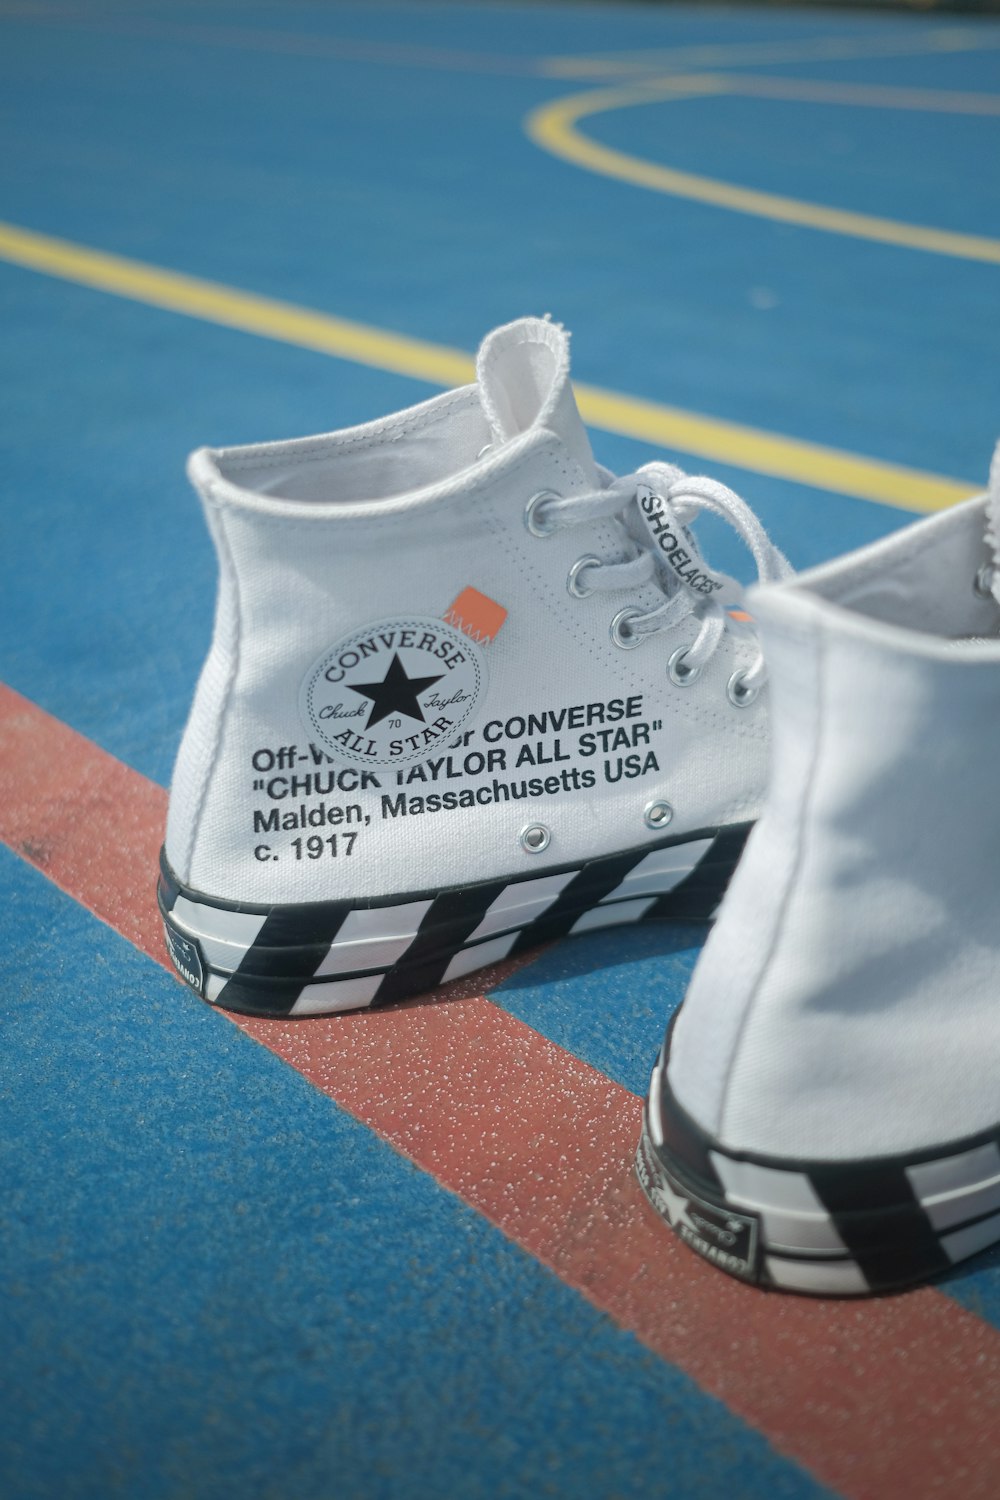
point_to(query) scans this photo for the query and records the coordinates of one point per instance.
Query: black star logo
(395, 694)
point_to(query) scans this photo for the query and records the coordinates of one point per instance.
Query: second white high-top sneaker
(825, 1115)
(466, 692)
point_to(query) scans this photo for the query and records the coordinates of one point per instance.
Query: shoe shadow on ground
(610, 957)
(976, 1283)
(607, 996)
(604, 996)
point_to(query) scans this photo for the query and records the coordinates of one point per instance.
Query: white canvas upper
(321, 540)
(846, 1004)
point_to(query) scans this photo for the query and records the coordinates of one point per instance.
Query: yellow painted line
(553, 127)
(770, 453)
(215, 303)
(663, 426)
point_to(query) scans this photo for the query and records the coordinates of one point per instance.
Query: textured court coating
(402, 1253)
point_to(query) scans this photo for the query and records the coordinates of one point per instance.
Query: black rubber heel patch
(185, 955)
(728, 1239)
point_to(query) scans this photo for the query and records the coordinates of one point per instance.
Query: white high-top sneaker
(825, 1114)
(466, 693)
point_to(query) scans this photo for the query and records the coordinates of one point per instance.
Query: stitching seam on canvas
(794, 870)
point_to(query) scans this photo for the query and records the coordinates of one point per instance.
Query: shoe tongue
(523, 373)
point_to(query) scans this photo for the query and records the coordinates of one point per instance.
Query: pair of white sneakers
(468, 692)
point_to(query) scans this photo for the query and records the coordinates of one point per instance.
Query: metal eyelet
(982, 584)
(533, 520)
(678, 673)
(534, 838)
(739, 695)
(621, 632)
(578, 589)
(657, 815)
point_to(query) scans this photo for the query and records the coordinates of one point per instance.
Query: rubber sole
(832, 1229)
(317, 958)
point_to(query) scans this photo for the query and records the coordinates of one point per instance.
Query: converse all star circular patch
(394, 692)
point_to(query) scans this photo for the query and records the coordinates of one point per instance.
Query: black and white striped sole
(317, 958)
(842, 1229)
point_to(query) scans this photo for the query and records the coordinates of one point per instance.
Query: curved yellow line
(552, 126)
(665, 426)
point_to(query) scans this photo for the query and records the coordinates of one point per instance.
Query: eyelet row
(737, 691)
(574, 581)
(739, 695)
(534, 518)
(678, 673)
(621, 629)
(535, 838)
(622, 634)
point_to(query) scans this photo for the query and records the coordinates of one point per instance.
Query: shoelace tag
(674, 543)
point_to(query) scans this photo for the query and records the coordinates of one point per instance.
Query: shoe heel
(833, 1229)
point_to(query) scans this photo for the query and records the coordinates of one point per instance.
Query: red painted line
(893, 1397)
(84, 819)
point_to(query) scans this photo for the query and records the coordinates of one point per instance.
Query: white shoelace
(987, 580)
(677, 499)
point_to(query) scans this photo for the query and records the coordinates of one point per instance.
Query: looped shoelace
(684, 496)
(987, 580)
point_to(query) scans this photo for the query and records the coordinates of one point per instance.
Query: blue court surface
(775, 235)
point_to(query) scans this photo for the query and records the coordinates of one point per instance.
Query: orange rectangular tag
(477, 615)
